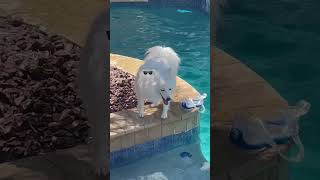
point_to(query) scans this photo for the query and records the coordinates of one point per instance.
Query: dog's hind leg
(141, 106)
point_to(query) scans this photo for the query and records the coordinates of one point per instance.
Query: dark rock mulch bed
(122, 95)
(40, 110)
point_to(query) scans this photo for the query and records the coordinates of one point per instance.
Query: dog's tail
(167, 53)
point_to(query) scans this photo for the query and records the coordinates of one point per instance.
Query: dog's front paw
(164, 115)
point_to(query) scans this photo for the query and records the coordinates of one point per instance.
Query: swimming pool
(134, 29)
(280, 41)
(137, 28)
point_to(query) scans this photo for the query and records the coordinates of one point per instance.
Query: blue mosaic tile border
(202, 5)
(125, 156)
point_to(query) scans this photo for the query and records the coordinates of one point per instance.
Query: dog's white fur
(159, 86)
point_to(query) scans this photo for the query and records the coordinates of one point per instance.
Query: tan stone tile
(118, 118)
(116, 133)
(155, 120)
(127, 140)
(115, 143)
(192, 121)
(141, 136)
(167, 129)
(131, 122)
(180, 126)
(154, 132)
(197, 117)
(188, 114)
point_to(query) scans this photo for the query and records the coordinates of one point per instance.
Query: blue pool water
(280, 40)
(135, 29)
(165, 166)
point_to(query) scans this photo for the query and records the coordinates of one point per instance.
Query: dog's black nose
(168, 99)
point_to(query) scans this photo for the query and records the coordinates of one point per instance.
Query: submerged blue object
(185, 155)
(183, 11)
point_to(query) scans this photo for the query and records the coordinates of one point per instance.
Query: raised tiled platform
(128, 131)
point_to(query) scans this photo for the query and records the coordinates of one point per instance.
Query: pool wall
(139, 151)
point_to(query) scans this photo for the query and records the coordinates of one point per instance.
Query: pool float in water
(256, 134)
(183, 11)
(190, 104)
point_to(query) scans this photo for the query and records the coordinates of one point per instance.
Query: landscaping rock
(40, 110)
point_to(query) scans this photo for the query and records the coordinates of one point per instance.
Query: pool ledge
(128, 130)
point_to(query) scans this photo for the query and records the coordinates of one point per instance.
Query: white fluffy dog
(156, 78)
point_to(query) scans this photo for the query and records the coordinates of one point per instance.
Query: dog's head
(163, 84)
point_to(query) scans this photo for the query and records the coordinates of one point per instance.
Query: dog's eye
(145, 72)
(170, 89)
(162, 90)
(150, 72)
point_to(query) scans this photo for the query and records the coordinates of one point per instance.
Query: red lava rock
(36, 46)
(121, 94)
(16, 22)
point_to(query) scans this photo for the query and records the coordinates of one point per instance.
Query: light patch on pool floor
(166, 166)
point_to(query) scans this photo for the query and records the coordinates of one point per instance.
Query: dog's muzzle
(165, 100)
